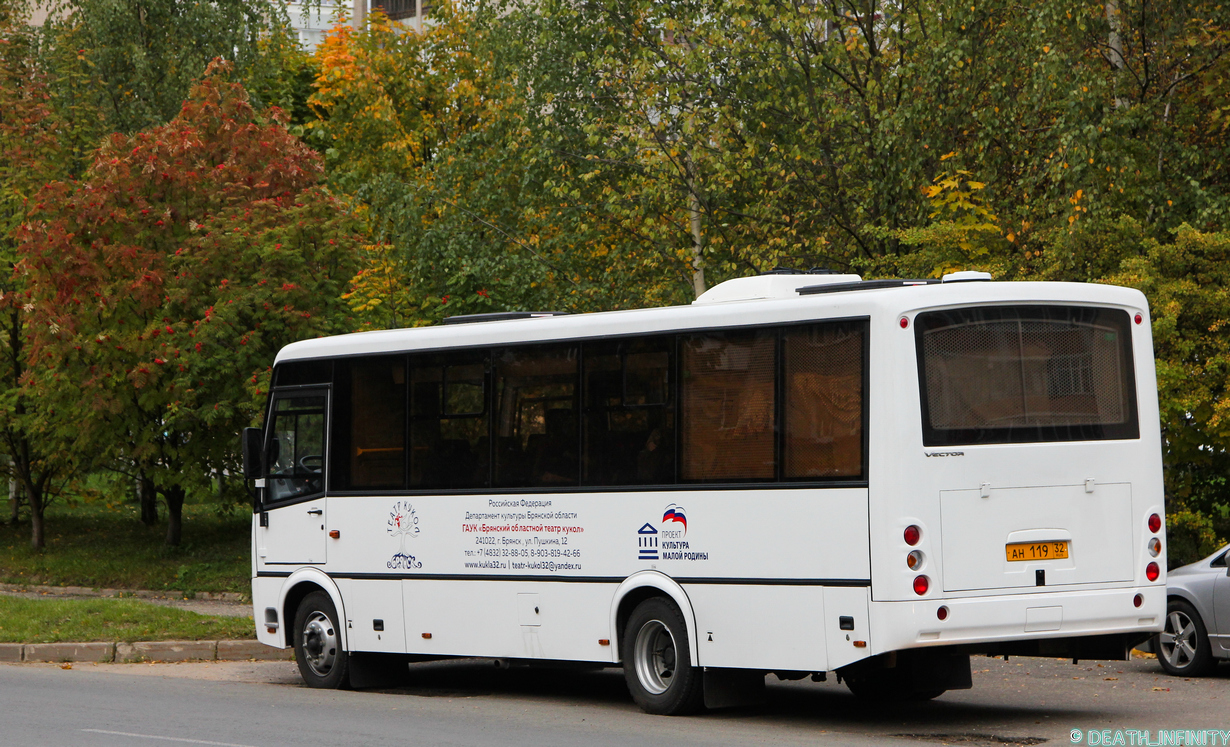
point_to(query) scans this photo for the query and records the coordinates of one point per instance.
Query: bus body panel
(374, 615)
(293, 535)
(761, 627)
(977, 525)
(989, 619)
(508, 619)
(490, 552)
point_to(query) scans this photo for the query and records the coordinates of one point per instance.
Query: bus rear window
(1022, 374)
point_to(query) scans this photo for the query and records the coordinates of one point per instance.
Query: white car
(1197, 631)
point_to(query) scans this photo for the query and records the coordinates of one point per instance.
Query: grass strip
(25, 620)
(109, 548)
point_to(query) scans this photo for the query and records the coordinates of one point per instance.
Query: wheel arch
(1184, 595)
(641, 586)
(299, 585)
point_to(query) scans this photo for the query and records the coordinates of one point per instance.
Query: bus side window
(727, 406)
(449, 446)
(823, 401)
(537, 442)
(369, 425)
(629, 432)
(295, 454)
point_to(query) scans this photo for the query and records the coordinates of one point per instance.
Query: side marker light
(942, 613)
(904, 322)
(1138, 600)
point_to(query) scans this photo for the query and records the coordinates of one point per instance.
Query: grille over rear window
(1026, 374)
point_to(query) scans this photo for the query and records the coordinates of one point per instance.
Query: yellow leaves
(1046, 49)
(948, 155)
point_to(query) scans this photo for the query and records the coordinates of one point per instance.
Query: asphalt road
(1023, 701)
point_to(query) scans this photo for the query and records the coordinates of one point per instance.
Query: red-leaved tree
(162, 284)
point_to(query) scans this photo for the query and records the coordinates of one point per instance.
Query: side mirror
(252, 439)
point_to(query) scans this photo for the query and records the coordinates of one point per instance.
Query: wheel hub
(655, 657)
(1178, 640)
(319, 643)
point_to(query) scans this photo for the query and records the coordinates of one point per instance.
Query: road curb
(142, 651)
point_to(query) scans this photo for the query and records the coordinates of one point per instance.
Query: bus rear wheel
(322, 661)
(657, 660)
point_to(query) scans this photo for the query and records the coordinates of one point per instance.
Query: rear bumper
(1003, 619)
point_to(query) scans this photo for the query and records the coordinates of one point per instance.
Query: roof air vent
(770, 285)
(966, 276)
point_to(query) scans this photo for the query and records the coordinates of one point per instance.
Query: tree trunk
(148, 496)
(698, 238)
(36, 520)
(1115, 42)
(174, 496)
(14, 499)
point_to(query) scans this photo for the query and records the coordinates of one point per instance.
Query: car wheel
(318, 643)
(657, 660)
(1183, 645)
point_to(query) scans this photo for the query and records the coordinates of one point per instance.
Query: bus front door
(292, 529)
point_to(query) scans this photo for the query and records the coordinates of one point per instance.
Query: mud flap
(934, 669)
(378, 670)
(725, 688)
(907, 675)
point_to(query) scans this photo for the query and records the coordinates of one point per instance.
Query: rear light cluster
(914, 560)
(1152, 570)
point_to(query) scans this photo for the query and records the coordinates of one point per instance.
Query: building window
(396, 10)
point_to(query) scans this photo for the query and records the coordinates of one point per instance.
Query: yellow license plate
(1037, 550)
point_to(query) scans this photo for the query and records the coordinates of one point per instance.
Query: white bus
(796, 474)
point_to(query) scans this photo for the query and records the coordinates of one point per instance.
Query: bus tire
(322, 661)
(658, 661)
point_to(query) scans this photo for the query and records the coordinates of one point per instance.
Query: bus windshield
(1025, 374)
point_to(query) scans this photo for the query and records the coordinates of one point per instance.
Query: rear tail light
(1151, 573)
(912, 534)
(922, 583)
(914, 560)
(1155, 523)
(1155, 547)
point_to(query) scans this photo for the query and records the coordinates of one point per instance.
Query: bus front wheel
(657, 660)
(318, 643)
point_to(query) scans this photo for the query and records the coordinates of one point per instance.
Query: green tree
(445, 141)
(163, 283)
(143, 56)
